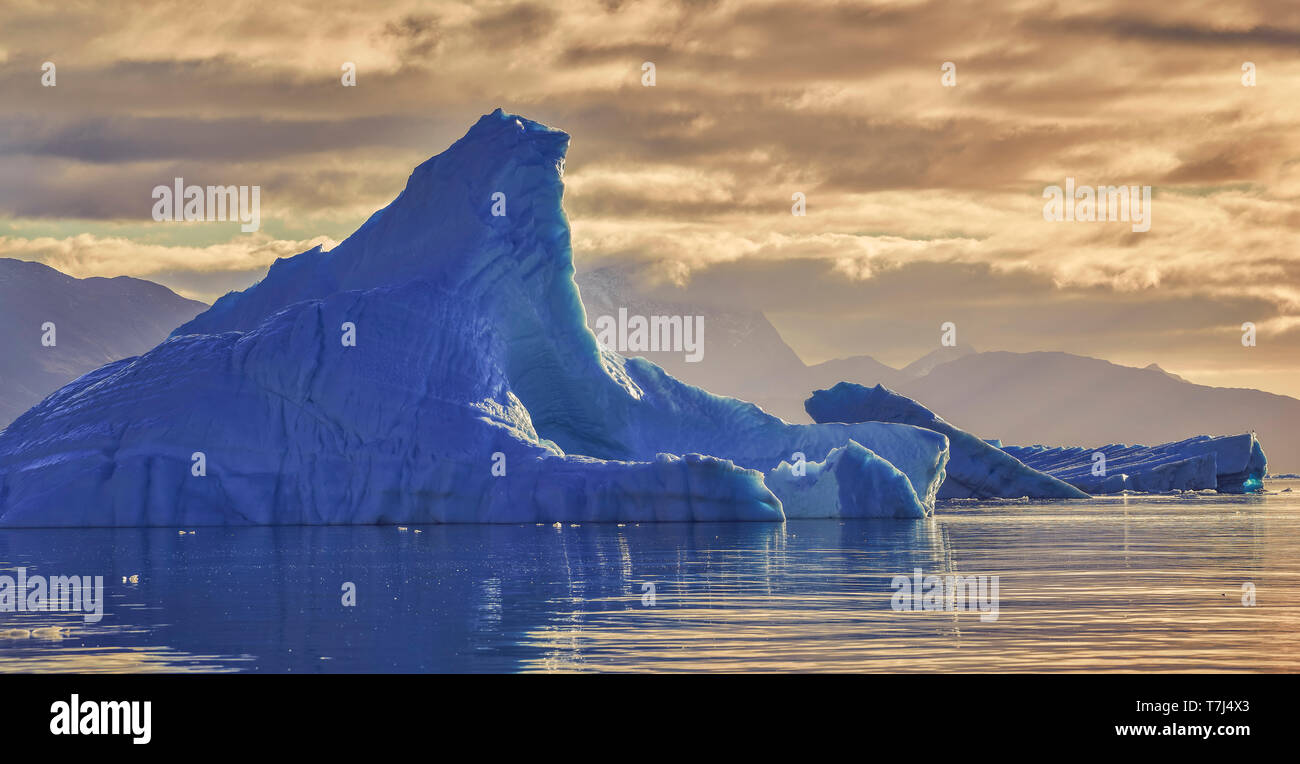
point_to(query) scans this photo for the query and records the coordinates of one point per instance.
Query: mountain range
(95, 321)
(1022, 398)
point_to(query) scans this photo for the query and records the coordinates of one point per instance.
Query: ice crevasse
(474, 392)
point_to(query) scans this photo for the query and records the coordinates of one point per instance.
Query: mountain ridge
(96, 320)
(1032, 416)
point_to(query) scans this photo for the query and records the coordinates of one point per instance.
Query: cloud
(922, 200)
(207, 271)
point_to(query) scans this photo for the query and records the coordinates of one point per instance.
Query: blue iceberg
(851, 482)
(434, 367)
(975, 470)
(1227, 464)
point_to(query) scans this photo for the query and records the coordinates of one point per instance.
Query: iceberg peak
(492, 199)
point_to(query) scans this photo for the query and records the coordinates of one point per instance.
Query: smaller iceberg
(1228, 464)
(852, 482)
(975, 470)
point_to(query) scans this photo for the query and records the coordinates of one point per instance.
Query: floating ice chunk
(975, 469)
(1229, 464)
(851, 482)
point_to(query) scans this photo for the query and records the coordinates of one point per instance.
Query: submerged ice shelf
(474, 392)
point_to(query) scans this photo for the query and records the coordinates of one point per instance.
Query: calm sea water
(1117, 584)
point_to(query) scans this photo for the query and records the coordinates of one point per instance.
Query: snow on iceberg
(474, 392)
(975, 470)
(1228, 464)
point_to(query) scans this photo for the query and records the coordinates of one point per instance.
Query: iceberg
(851, 482)
(976, 469)
(435, 366)
(1228, 464)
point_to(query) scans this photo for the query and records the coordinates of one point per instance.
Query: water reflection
(1118, 584)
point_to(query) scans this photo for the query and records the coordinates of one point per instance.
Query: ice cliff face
(976, 469)
(474, 392)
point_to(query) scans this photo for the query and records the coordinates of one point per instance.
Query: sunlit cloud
(922, 200)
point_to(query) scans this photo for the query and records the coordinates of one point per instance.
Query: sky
(924, 201)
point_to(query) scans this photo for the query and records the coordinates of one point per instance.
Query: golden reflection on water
(141, 660)
(1119, 585)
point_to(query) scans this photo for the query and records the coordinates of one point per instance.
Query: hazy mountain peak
(95, 320)
(926, 363)
(1171, 375)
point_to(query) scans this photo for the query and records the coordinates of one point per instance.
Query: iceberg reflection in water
(1143, 583)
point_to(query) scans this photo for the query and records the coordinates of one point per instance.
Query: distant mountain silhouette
(1064, 399)
(96, 320)
(744, 355)
(926, 363)
(1044, 398)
